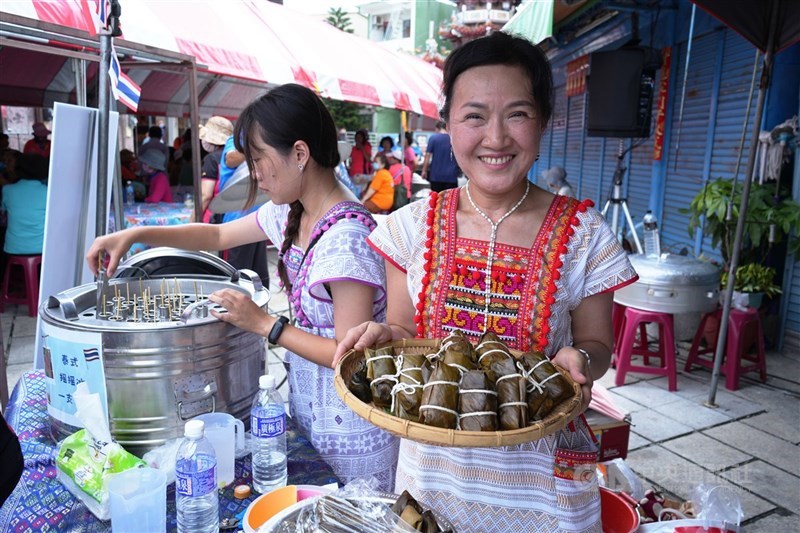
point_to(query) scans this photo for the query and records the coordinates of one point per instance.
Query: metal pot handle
(195, 396)
(251, 275)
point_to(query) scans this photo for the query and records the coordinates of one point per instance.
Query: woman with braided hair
(333, 279)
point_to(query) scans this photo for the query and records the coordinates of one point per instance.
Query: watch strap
(277, 329)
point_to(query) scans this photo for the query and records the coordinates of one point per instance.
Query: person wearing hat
(398, 170)
(40, 144)
(212, 138)
(153, 165)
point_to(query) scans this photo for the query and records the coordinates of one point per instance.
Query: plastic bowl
(268, 505)
(616, 513)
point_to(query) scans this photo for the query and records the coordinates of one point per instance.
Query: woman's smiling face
(494, 126)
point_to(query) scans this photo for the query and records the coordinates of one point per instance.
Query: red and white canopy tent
(240, 49)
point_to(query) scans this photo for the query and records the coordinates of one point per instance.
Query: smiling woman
(500, 255)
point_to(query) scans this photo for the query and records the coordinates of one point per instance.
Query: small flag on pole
(125, 89)
(103, 11)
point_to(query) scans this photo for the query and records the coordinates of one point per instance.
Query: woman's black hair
(499, 48)
(33, 167)
(280, 118)
(387, 138)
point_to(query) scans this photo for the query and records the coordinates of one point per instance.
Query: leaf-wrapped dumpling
(543, 380)
(491, 349)
(408, 391)
(477, 402)
(382, 374)
(359, 384)
(512, 408)
(439, 406)
(457, 351)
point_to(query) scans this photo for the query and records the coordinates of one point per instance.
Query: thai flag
(91, 354)
(103, 10)
(125, 89)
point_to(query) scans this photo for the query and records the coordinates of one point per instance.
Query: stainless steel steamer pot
(162, 370)
(671, 284)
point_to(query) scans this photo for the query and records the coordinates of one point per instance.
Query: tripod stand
(616, 200)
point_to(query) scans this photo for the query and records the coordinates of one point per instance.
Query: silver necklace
(492, 242)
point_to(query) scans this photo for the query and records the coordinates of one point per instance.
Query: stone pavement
(749, 443)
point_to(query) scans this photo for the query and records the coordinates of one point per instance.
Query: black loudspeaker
(620, 90)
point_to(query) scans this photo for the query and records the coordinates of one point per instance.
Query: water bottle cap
(266, 382)
(194, 429)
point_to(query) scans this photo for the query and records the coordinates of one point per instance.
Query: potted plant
(772, 218)
(755, 280)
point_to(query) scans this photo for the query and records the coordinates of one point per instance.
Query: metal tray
(293, 512)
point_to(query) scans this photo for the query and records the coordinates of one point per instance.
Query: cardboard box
(612, 435)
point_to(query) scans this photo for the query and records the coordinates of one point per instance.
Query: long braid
(292, 230)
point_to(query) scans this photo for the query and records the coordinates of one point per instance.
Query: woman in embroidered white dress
(334, 280)
(537, 269)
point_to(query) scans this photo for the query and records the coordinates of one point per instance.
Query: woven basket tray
(558, 418)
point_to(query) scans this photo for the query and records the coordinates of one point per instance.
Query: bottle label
(267, 426)
(200, 482)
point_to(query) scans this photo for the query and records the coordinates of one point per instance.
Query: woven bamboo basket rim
(558, 418)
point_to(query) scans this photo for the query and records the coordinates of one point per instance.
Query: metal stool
(31, 268)
(744, 334)
(636, 319)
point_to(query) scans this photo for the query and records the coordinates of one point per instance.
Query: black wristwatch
(277, 329)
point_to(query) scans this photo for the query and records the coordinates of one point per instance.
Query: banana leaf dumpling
(382, 374)
(546, 386)
(512, 408)
(408, 391)
(439, 405)
(477, 402)
(491, 349)
(359, 384)
(457, 351)
(413, 514)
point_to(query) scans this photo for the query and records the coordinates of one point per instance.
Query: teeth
(497, 160)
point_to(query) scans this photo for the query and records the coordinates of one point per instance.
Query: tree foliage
(346, 115)
(338, 18)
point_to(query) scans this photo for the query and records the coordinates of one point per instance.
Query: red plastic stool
(617, 319)
(696, 351)
(744, 334)
(632, 321)
(31, 268)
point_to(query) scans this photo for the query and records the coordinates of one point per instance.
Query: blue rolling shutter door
(688, 143)
(575, 137)
(791, 332)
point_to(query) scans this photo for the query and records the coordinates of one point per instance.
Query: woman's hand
(362, 336)
(242, 311)
(113, 246)
(577, 365)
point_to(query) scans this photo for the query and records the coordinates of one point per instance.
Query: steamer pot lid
(671, 268)
(164, 261)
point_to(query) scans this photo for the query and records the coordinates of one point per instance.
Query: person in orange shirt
(40, 144)
(379, 196)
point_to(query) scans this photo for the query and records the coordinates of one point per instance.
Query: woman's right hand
(362, 336)
(114, 246)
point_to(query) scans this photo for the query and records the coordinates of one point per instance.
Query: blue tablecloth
(41, 503)
(158, 214)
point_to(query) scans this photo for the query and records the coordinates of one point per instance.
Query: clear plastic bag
(618, 476)
(715, 504)
(163, 458)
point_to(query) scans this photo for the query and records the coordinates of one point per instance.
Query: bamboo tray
(558, 418)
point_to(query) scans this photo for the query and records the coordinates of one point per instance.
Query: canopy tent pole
(195, 141)
(102, 134)
(722, 337)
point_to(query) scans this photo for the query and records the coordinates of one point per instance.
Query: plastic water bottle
(268, 426)
(652, 244)
(196, 497)
(129, 195)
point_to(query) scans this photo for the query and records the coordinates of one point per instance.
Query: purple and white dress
(352, 446)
